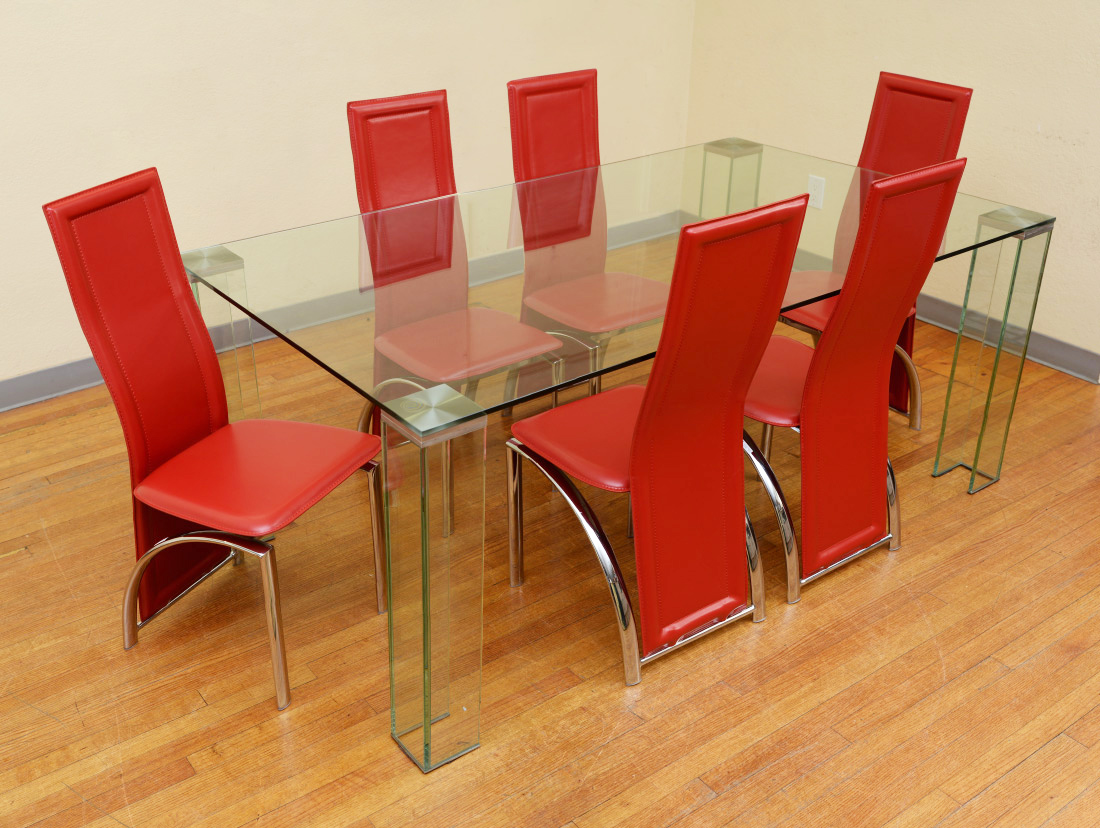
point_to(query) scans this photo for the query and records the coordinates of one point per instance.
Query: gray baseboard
(73, 376)
(1043, 349)
(48, 383)
(83, 373)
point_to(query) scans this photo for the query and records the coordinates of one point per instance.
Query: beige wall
(801, 74)
(241, 107)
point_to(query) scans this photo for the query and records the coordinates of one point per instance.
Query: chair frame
(609, 564)
(102, 337)
(869, 159)
(791, 555)
(264, 550)
(370, 200)
(685, 596)
(595, 342)
(915, 396)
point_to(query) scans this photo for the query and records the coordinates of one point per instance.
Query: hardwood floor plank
(952, 682)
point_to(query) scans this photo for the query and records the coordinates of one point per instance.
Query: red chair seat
(464, 343)
(588, 439)
(775, 396)
(601, 302)
(255, 476)
(806, 284)
(815, 315)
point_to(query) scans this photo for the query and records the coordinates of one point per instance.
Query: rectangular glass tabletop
(442, 312)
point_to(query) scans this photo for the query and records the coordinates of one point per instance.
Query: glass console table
(395, 304)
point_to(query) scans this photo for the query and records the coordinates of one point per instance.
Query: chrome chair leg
(237, 545)
(914, 387)
(515, 516)
(511, 381)
(756, 572)
(792, 558)
(365, 417)
(595, 363)
(766, 440)
(629, 515)
(378, 533)
(620, 598)
(275, 628)
(893, 508)
(557, 374)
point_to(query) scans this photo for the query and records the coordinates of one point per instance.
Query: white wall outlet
(816, 189)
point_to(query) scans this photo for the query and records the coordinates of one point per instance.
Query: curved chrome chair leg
(378, 533)
(893, 508)
(365, 417)
(515, 516)
(914, 387)
(237, 545)
(766, 440)
(771, 486)
(620, 598)
(756, 572)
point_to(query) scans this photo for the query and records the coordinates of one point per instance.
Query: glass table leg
(990, 348)
(435, 587)
(231, 331)
(739, 189)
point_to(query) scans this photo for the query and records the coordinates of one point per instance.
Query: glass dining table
(444, 312)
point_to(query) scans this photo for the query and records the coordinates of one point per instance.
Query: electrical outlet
(816, 189)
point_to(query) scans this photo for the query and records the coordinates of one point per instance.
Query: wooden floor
(953, 682)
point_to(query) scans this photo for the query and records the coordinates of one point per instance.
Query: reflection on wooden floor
(957, 679)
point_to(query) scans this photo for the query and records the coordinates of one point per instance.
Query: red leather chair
(556, 151)
(914, 123)
(401, 148)
(687, 496)
(833, 393)
(201, 485)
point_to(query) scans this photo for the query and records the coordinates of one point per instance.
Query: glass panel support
(434, 571)
(998, 311)
(218, 269)
(740, 188)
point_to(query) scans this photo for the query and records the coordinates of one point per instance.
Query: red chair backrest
(401, 149)
(686, 465)
(844, 411)
(914, 123)
(555, 140)
(555, 124)
(135, 306)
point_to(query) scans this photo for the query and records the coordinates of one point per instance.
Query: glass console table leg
(434, 582)
(231, 330)
(998, 311)
(740, 189)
